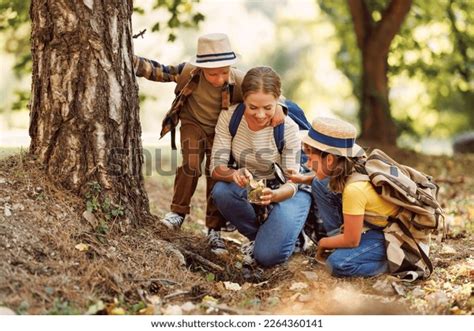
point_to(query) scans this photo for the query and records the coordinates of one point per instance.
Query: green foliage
(63, 307)
(182, 14)
(102, 206)
(434, 47)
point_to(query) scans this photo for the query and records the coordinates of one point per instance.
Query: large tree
(373, 40)
(84, 111)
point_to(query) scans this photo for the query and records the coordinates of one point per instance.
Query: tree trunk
(374, 41)
(84, 115)
(376, 121)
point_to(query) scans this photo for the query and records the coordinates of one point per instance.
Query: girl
(333, 154)
(254, 150)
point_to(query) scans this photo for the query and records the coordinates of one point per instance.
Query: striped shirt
(255, 150)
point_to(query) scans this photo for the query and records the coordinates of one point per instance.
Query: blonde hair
(261, 79)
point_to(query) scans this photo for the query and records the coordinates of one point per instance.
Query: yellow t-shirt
(359, 198)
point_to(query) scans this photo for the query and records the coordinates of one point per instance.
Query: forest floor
(54, 259)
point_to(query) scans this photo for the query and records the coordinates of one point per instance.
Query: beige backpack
(407, 235)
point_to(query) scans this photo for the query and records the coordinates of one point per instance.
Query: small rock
(7, 211)
(306, 298)
(172, 310)
(18, 206)
(399, 288)
(438, 299)
(2, 181)
(448, 250)
(311, 276)
(418, 292)
(384, 287)
(298, 286)
(188, 306)
(6, 311)
(232, 286)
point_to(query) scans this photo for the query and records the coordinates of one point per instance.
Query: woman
(254, 150)
(333, 154)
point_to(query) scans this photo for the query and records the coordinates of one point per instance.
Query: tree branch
(362, 21)
(389, 25)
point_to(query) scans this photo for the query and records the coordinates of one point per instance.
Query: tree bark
(84, 113)
(374, 41)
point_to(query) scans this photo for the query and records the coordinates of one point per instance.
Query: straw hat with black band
(214, 51)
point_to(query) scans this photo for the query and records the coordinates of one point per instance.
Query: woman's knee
(267, 257)
(219, 190)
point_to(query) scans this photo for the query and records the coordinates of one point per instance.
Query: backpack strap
(297, 115)
(279, 136)
(236, 118)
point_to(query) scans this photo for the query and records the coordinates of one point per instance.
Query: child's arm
(350, 238)
(295, 177)
(155, 71)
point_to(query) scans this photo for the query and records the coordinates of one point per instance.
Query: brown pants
(195, 144)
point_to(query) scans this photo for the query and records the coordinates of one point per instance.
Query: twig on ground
(202, 260)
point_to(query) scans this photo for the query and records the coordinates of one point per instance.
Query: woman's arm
(350, 238)
(223, 173)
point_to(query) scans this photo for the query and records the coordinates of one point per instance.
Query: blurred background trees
(311, 43)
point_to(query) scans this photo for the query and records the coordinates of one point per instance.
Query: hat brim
(215, 64)
(354, 151)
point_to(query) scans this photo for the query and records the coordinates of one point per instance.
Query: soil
(146, 269)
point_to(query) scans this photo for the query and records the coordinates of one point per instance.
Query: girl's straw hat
(333, 136)
(214, 51)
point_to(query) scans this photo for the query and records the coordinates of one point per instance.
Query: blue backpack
(294, 112)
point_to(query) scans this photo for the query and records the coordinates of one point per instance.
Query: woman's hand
(267, 196)
(279, 116)
(242, 177)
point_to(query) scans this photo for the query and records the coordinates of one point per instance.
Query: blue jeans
(369, 258)
(275, 239)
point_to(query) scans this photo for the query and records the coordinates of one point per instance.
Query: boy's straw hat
(214, 51)
(333, 136)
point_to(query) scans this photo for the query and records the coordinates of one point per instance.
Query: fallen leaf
(148, 310)
(232, 286)
(172, 310)
(96, 307)
(399, 288)
(209, 300)
(82, 247)
(188, 306)
(117, 311)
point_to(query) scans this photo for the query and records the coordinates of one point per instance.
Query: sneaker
(302, 243)
(215, 242)
(229, 227)
(173, 221)
(247, 252)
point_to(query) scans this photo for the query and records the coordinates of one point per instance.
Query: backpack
(294, 112)
(407, 235)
